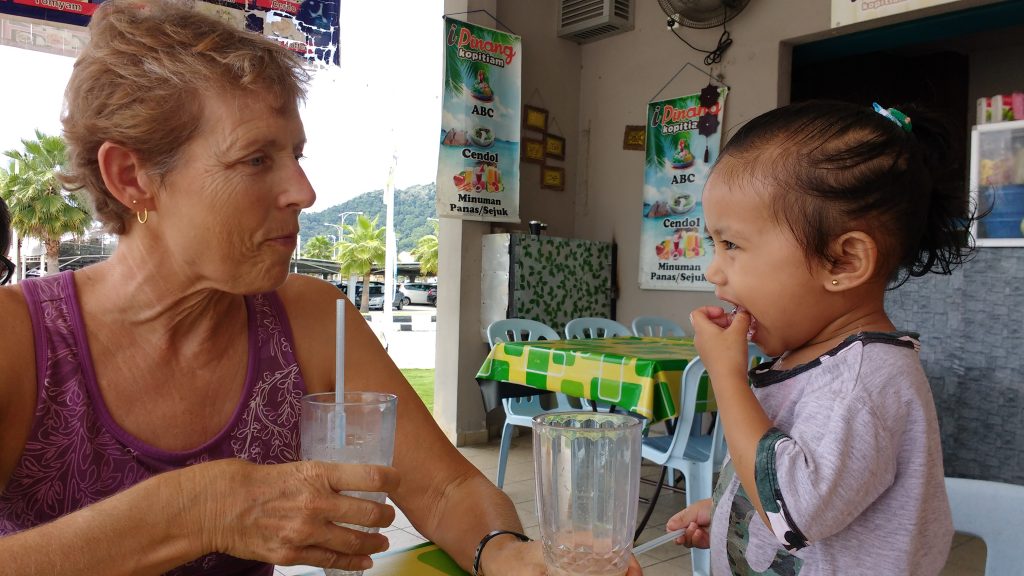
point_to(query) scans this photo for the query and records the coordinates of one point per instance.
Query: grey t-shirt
(850, 476)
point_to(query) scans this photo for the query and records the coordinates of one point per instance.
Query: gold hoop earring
(835, 282)
(144, 216)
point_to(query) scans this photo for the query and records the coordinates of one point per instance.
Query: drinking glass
(359, 430)
(588, 482)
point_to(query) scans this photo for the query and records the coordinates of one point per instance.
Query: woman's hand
(696, 520)
(285, 513)
(514, 558)
(721, 340)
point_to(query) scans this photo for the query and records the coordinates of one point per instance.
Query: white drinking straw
(339, 354)
(658, 541)
(339, 371)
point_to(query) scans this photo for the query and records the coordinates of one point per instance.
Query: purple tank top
(76, 454)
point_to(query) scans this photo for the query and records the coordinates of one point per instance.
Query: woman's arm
(444, 496)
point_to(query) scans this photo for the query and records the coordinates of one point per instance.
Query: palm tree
(319, 247)
(362, 248)
(39, 205)
(426, 252)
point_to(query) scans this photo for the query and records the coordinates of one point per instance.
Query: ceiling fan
(701, 13)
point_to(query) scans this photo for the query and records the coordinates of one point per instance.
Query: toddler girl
(835, 464)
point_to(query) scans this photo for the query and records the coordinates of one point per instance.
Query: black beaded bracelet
(485, 540)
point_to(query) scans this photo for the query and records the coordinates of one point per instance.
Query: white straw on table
(657, 542)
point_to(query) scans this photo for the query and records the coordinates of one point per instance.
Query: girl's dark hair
(832, 167)
(5, 228)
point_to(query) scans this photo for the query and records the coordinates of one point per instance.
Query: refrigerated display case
(997, 183)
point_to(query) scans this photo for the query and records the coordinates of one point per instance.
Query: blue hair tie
(895, 116)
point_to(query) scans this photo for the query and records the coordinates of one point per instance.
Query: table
(640, 375)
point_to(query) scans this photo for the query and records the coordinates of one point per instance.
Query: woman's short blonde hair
(139, 83)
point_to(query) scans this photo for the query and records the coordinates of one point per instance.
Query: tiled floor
(967, 558)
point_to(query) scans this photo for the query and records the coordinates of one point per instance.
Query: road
(409, 348)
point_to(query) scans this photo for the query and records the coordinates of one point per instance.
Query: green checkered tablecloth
(641, 375)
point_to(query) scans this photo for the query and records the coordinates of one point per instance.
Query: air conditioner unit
(588, 20)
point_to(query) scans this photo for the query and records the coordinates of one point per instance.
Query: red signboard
(72, 6)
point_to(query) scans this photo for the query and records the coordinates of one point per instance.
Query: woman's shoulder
(15, 332)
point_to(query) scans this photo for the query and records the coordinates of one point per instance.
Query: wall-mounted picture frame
(552, 178)
(554, 146)
(635, 138)
(533, 150)
(535, 118)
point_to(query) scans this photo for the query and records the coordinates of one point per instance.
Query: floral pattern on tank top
(76, 454)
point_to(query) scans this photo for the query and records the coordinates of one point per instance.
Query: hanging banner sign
(308, 27)
(478, 162)
(683, 136)
(846, 12)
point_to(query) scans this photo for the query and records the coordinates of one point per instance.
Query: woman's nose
(300, 192)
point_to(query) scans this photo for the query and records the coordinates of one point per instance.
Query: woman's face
(229, 211)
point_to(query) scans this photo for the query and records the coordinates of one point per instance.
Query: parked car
(376, 296)
(432, 296)
(416, 292)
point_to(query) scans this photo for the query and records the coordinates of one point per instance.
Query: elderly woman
(149, 402)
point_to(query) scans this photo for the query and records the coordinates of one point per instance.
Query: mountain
(413, 206)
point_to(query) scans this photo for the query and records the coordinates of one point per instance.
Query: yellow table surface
(422, 560)
(640, 375)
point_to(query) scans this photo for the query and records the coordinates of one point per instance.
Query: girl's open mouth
(753, 321)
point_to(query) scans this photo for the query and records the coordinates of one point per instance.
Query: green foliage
(422, 381)
(413, 206)
(319, 247)
(361, 250)
(425, 252)
(39, 205)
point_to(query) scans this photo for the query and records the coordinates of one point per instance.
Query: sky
(383, 100)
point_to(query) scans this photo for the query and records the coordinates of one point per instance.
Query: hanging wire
(712, 56)
(493, 17)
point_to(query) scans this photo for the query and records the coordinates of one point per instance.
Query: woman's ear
(124, 176)
(856, 261)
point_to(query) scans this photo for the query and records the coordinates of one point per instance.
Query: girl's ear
(856, 261)
(125, 177)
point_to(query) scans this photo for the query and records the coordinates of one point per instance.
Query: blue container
(990, 227)
(1006, 211)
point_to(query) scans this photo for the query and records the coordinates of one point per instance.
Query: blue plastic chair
(991, 511)
(594, 328)
(657, 327)
(696, 454)
(520, 411)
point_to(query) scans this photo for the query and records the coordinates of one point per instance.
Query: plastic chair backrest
(519, 330)
(590, 327)
(991, 511)
(656, 327)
